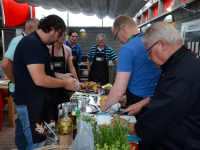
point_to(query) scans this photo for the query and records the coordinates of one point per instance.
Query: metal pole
(31, 13)
(67, 19)
(3, 42)
(102, 22)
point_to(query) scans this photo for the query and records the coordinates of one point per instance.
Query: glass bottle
(74, 113)
(65, 128)
(95, 88)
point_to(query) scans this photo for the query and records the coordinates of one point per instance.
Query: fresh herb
(112, 136)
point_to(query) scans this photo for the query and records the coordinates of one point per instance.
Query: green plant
(112, 136)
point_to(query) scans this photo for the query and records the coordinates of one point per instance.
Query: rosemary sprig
(112, 136)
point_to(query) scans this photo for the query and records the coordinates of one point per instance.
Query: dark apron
(75, 61)
(99, 69)
(59, 66)
(40, 104)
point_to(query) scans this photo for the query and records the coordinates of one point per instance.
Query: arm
(7, 66)
(72, 69)
(136, 108)
(88, 64)
(37, 72)
(118, 90)
(116, 60)
(167, 109)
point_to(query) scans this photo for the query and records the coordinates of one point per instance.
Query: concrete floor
(7, 135)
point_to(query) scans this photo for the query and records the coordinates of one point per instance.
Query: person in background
(61, 57)
(136, 76)
(7, 65)
(172, 119)
(99, 55)
(75, 48)
(35, 80)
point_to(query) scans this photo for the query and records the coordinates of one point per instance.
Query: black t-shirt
(30, 50)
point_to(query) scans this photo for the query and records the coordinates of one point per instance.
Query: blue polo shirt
(30, 50)
(144, 73)
(10, 54)
(110, 54)
(79, 49)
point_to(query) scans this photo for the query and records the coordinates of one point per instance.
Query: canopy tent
(102, 8)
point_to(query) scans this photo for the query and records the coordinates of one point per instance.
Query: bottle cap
(74, 113)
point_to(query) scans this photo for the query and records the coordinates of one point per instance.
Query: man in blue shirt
(136, 74)
(7, 65)
(75, 48)
(99, 55)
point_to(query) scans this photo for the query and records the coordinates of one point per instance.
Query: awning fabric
(102, 8)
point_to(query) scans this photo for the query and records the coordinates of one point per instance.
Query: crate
(54, 147)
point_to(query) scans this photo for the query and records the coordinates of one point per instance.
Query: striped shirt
(110, 54)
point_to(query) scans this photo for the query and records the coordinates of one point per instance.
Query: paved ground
(7, 135)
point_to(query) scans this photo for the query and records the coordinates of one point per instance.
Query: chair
(3, 101)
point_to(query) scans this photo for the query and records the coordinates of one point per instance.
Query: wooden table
(11, 107)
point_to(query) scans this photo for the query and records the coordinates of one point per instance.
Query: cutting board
(105, 118)
(4, 83)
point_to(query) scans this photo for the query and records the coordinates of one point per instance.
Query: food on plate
(87, 86)
(85, 95)
(122, 120)
(103, 100)
(108, 84)
(83, 117)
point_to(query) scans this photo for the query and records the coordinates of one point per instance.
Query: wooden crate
(54, 147)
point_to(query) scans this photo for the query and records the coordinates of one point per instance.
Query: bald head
(31, 25)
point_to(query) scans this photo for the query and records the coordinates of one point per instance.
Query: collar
(99, 50)
(173, 59)
(70, 45)
(24, 33)
(132, 37)
(38, 37)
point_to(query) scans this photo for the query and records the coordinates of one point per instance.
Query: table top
(4, 87)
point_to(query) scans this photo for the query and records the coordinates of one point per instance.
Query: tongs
(56, 136)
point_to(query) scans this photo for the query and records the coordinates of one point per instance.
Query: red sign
(16, 14)
(184, 1)
(146, 18)
(155, 11)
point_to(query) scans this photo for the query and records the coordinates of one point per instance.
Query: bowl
(108, 89)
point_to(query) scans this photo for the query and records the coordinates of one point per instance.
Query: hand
(70, 85)
(67, 76)
(134, 109)
(122, 120)
(123, 100)
(131, 128)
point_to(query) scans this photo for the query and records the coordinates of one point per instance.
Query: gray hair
(101, 37)
(162, 30)
(30, 21)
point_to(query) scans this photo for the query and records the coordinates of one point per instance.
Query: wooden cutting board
(5, 83)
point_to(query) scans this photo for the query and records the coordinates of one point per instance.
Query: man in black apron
(76, 49)
(136, 74)
(7, 65)
(100, 54)
(35, 80)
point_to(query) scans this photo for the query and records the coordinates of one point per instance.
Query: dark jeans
(20, 138)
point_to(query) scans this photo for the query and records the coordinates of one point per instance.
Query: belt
(20, 104)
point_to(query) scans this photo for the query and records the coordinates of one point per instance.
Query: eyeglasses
(147, 51)
(116, 35)
(35, 28)
(60, 35)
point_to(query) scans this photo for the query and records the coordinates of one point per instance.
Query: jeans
(20, 138)
(22, 113)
